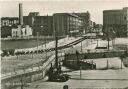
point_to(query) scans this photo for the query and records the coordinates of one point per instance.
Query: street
(90, 79)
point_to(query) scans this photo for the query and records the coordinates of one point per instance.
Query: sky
(10, 8)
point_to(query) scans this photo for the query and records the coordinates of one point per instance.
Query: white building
(28, 30)
(22, 32)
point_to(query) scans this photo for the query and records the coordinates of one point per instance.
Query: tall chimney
(20, 14)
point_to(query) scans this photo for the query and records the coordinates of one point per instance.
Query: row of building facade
(62, 23)
(115, 22)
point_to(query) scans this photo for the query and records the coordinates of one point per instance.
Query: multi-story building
(7, 23)
(63, 23)
(116, 21)
(86, 20)
(41, 24)
(67, 24)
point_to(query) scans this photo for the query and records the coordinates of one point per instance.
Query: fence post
(17, 57)
(121, 63)
(107, 63)
(32, 55)
(15, 71)
(22, 84)
(92, 64)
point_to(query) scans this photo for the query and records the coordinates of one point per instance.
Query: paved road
(90, 79)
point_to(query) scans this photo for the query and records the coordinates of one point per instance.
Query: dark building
(29, 20)
(41, 24)
(116, 21)
(7, 23)
(67, 24)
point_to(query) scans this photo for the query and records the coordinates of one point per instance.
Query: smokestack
(20, 14)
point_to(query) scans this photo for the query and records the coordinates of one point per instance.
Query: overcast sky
(95, 7)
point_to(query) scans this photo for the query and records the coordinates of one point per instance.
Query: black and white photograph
(64, 44)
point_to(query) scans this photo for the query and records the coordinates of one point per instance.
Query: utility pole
(56, 51)
(81, 46)
(108, 38)
(121, 63)
(37, 41)
(56, 41)
(108, 43)
(92, 64)
(45, 45)
(107, 64)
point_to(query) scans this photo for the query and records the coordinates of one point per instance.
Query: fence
(94, 55)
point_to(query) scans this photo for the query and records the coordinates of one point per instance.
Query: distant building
(7, 23)
(41, 24)
(21, 31)
(34, 14)
(98, 29)
(67, 24)
(86, 20)
(116, 21)
(10, 27)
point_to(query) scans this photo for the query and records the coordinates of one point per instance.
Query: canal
(19, 44)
